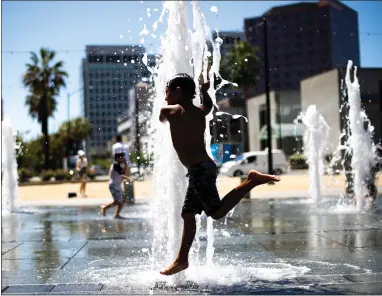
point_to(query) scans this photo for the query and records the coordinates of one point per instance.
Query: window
(251, 159)
(112, 58)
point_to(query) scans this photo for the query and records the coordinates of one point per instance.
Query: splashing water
(315, 137)
(360, 140)
(182, 51)
(199, 277)
(9, 167)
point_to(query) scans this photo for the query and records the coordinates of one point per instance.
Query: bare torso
(187, 133)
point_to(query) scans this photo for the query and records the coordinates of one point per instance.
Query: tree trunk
(246, 92)
(44, 130)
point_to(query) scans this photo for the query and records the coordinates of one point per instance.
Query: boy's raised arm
(207, 104)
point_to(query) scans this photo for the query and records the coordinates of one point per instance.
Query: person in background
(372, 190)
(82, 169)
(118, 171)
(119, 147)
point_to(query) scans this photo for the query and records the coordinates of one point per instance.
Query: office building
(109, 72)
(304, 39)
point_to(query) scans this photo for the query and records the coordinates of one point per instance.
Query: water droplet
(121, 36)
(225, 233)
(214, 9)
(221, 136)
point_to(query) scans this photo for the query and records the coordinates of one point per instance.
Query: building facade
(304, 39)
(285, 107)
(134, 124)
(109, 72)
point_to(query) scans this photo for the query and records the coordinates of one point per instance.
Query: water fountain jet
(9, 168)
(360, 140)
(315, 138)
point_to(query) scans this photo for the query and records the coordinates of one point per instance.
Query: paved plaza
(269, 246)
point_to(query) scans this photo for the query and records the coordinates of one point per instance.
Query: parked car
(255, 160)
(134, 171)
(97, 170)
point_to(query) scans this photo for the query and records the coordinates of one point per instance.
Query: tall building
(134, 123)
(304, 39)
(109, 72)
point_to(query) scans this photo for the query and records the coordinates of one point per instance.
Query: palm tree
(241, 65)
(44, 79)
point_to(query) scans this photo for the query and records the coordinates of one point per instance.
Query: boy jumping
(187, 126)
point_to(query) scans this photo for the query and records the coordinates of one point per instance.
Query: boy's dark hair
(185, 82)
(118, 138)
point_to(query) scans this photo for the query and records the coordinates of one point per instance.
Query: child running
(118, 170)
(187, 126)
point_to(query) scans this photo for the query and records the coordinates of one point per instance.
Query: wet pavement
(265, 247)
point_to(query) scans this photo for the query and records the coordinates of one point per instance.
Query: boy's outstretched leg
(229, 201)
(104, 208)
(181, 261)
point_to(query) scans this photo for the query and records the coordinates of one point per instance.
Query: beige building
(285, 107)
(327, 93)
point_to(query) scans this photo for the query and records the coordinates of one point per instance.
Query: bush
(61, 175)
(103, 163)
(298, 161)
(47, 175)
(24, 174)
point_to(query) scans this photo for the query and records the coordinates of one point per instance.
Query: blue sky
(61, 25)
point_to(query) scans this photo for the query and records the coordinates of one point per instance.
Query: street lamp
(69, 144)
(266, 81)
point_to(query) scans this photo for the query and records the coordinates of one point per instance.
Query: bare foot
(103, 212)
(119, 217)
(175, 268)
(258, 178)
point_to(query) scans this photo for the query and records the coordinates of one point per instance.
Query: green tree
(241, 65)
(80, 129)
(30, 155)
(44, 78)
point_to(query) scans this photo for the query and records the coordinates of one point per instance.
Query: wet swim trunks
(202, 194)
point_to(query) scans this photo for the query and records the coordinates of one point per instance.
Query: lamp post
(69, 144)
(137, 129)
(266, 80)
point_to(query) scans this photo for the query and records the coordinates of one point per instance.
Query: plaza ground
(294, 184)
(268, 246)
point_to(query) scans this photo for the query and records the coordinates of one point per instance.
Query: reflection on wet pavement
(266, 247)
